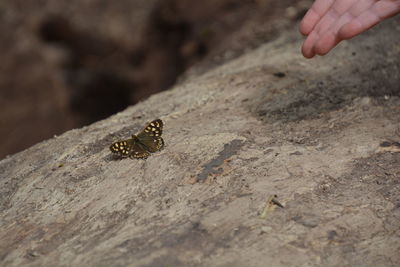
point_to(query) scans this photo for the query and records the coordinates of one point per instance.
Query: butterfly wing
(154, 128)
(150, 137)
(129, 148)
(139, 152)
(152, 144)
(123, 148)
(140, 146)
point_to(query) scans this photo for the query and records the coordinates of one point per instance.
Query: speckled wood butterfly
(140, 146)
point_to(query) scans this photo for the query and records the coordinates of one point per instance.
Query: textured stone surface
(269, 122)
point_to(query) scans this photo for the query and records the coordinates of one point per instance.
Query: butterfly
(140, 146)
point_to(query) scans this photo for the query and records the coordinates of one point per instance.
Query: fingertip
(322, 51)
(303, 29)
(309, 21)
(307, 53)
(308, 46)
(308, 56)
(325, 44)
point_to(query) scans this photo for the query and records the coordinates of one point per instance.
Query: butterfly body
(141, 145)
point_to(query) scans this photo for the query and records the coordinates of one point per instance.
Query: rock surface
(321, 134)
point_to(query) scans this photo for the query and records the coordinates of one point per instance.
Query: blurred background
(68, 63)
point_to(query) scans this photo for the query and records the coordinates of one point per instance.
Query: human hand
(328, 22)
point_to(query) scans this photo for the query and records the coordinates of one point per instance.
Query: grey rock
(234, 136)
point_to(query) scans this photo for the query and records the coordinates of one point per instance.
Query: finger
(323, 34)
(313, 15)
(324, 45)
(309, 21)
(308, 46)
(331, 14)
(379, 11)
(330, 37)
(334, 15)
